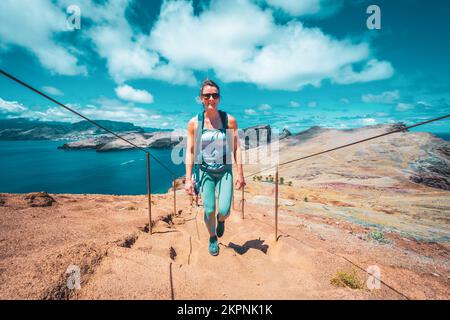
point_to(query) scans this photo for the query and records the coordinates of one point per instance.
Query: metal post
(149, 195)
(276, 205)
(174, 197)
(242, 204)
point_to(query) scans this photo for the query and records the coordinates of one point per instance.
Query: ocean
(445, 136)
(29, 166)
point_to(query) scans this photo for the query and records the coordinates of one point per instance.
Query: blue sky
(292, 64)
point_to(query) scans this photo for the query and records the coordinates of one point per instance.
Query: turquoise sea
(28, 166)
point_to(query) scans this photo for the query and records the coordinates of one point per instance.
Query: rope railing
(148, 154)
(276, 167)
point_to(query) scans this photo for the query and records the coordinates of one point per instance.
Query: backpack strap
(224, 119)
(227, 154)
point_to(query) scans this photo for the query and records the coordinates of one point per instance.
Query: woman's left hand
(240, 182)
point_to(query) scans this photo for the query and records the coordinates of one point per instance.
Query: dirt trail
(174, 263)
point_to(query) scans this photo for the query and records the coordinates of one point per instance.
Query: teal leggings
(223, 184)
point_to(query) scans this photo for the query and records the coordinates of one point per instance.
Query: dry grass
(347, 279)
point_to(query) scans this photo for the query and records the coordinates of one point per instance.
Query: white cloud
(368, 121)
(236, 39)
(264, 106)
(11, 106)
(262, 109)
(373, 70)
(128, 54)
(387, 97)
(129, 93)
(344, 101)
(312, 104)
(294, 104)
(306, 7)
(102, 109)
(424, 104)
(298, 8)
(403, 106)
(258, 50)
(53, 91)
(33, 26)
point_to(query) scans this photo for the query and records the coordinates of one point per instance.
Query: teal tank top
(213, 146)
(213, 149)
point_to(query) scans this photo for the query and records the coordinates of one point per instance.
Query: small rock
(435, 274)
(178, 221)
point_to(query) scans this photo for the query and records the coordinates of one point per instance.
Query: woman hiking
(211, 140)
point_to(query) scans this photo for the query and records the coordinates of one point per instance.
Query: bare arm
(232, 124)
(190, 155)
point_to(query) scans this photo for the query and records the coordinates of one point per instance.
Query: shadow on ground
(257, 244)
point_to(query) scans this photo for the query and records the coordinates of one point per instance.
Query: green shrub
(378, 236)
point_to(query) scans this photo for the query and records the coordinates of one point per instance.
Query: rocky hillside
(24, 129)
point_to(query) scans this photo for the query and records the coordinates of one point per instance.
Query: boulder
(39, 199)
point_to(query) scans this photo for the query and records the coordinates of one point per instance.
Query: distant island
(26, 129)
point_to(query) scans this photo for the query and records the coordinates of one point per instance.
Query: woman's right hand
(189, 187)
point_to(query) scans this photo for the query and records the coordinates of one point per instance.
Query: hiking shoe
(220, 227)
(213, 246)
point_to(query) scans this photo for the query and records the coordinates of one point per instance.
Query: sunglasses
(209, 95)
